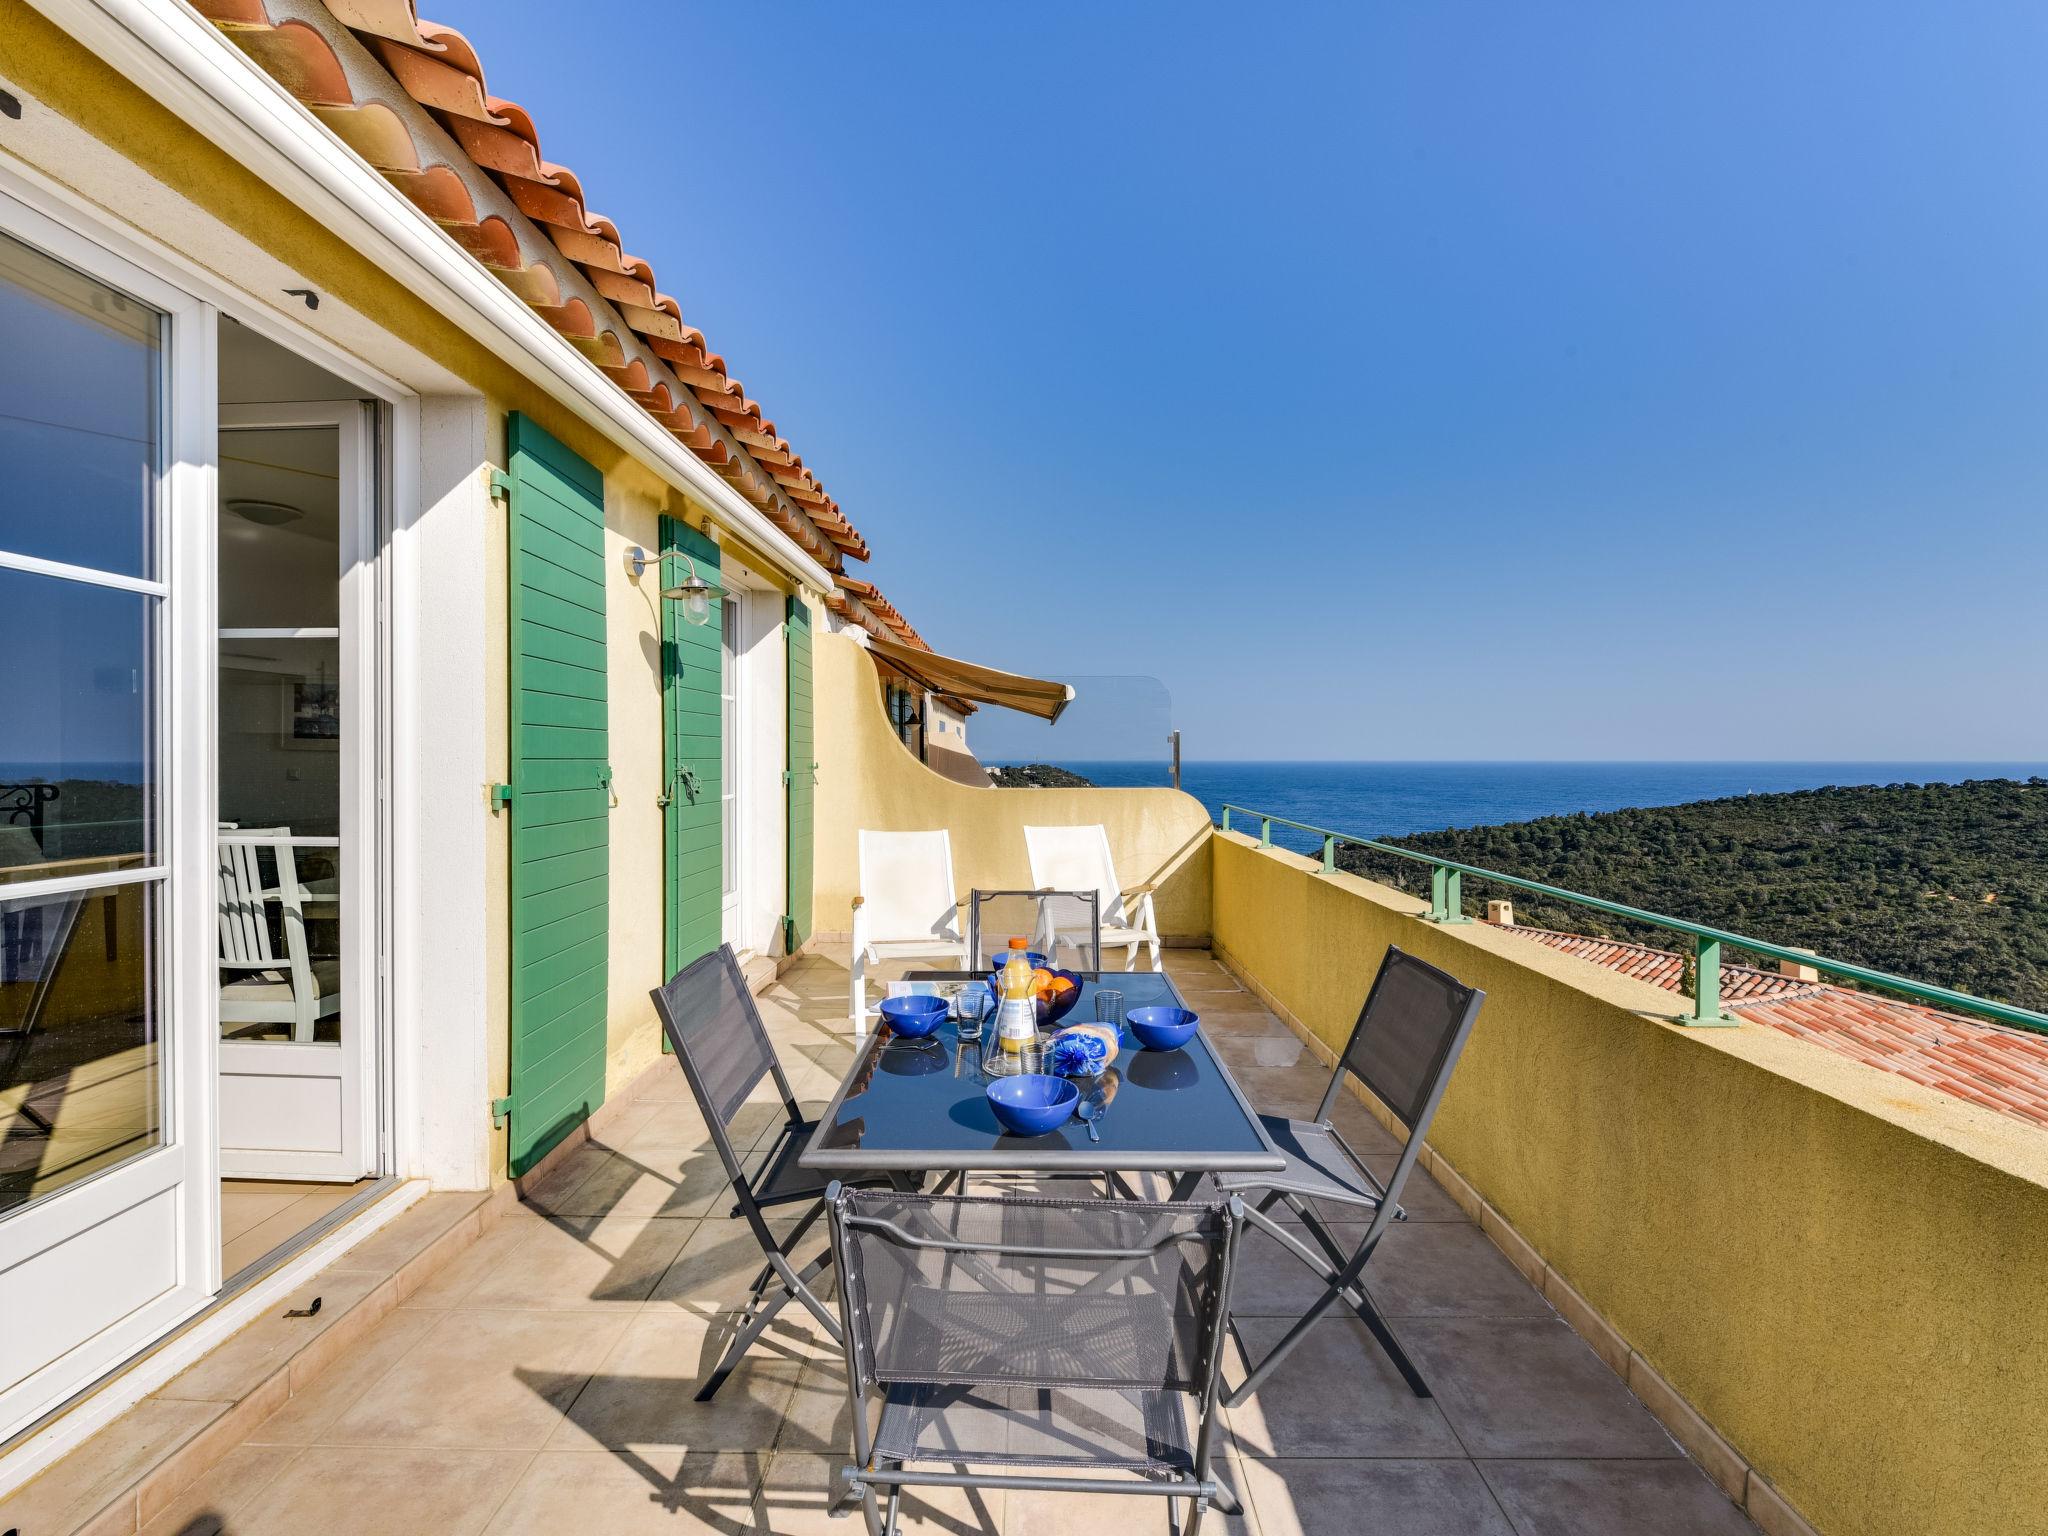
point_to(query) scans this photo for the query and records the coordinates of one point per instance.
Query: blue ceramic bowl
(913, 1018)
(1162, 1029)
(1033, 1103)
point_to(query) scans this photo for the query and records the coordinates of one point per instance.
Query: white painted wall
(764, 806)
(440, 628)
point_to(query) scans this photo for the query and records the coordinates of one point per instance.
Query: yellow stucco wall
(1838, 1268)
(868, 778)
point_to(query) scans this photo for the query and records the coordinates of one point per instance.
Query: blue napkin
(1080, 1054)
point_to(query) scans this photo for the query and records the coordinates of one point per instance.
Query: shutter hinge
(501, 796)
(501, 1110)
(788, 778)
(501, 486)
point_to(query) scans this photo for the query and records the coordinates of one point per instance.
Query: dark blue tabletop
(922, 1105)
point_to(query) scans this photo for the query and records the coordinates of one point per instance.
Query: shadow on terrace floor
(543, 1381)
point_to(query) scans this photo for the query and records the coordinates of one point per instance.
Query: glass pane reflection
(77, 746)
(80, 1048)
(80, 414)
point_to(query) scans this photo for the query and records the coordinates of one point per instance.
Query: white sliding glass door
(297, 663)
(106, 1156)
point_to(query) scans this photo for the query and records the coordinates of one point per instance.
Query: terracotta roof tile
(1982, 1063)
(438, 68)
(863, 603)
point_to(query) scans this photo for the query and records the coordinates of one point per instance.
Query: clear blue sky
(1390, 380)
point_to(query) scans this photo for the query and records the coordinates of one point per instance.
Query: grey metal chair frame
(872, 1469)
(1092, 900)
(1342, 1272)
(751, 1194)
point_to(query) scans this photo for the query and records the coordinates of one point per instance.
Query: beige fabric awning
(945, 674)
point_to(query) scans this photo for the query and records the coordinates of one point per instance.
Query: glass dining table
(920, 1106)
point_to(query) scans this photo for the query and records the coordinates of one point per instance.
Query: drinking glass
(970, 1007)
(1109, 1009)
(1031, 1055)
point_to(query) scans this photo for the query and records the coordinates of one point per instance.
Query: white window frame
(184, 762)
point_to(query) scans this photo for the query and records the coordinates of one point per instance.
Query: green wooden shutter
(561, 798)
(692, 757)
(801, 776)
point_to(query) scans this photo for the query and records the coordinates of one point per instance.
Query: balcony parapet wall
(868, 779)
(1836, 1268)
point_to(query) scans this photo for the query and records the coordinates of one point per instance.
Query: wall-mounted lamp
(694, 592)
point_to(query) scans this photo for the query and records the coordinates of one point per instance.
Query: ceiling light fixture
(267, 514)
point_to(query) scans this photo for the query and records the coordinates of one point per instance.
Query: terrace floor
(542, 1381)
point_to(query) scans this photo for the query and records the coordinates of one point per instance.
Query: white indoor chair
(908, 907)
(1078, 859)
(258, 985)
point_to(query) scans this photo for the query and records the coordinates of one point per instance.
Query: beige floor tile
(351, 1491)
(622, 1118)
(1091, 1514)
(581, 1264)
(650, 1181)
(715, 1270)
(1447, 1269)
(628, 1492)
(1445, 1497)
(281, 1225)
(77, 1487)
(392, 1246)
(205, 1508)
(819, 1419)
(462, 1274)
(245, 1202)
(237, 1367)
(801, 1488)
(308, 1416)
(569, 1169)
(485, 1380)
(1337, 1394)
(644, 1393)
(675, 1123)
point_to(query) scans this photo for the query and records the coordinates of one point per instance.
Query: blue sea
(1391, 799)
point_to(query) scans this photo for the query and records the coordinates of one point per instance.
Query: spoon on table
(1090, 1110)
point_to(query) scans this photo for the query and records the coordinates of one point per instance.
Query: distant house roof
(707, 411)
(1985, 1064)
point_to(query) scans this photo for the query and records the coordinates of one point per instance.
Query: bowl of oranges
(1053, 990)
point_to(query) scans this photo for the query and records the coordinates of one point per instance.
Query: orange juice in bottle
(1017, 1016)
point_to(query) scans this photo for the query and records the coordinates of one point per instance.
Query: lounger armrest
(1142, 890)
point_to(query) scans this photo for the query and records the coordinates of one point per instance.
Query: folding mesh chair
(711, 1022)
(1407, 1040)
(1032, 1332)
(1064, 926)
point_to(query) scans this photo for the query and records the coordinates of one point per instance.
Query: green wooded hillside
(1945, 883)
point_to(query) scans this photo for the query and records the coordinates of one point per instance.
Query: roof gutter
(170, 52)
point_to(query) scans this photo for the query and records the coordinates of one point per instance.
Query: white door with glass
(107, 1177)
(296, 628)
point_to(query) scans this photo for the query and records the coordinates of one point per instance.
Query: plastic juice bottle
(1017, 1019)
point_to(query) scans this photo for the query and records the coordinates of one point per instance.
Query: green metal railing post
(1226, 818)
(1706, 984)
(1265, 831)
(1454, 897)
(1439, 884)
(1329, 854)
